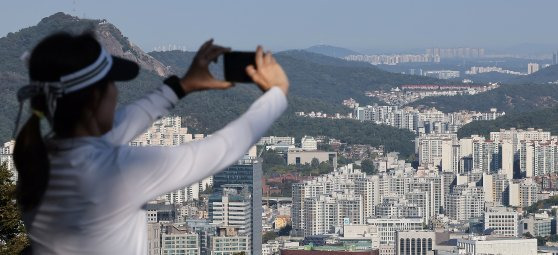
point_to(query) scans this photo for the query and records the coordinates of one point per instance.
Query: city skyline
(366, 27)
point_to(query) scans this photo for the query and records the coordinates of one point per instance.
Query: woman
(81, 188)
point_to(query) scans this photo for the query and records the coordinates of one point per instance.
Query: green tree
(368, 167)
(285, 231)
(13, 238)
(315, 163)
(268, 236)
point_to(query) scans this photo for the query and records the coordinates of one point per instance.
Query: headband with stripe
(87, 75)
(67, 84)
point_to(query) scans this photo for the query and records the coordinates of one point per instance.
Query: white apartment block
(451, 156)
(532, 68)
(188, 193)
(6, 152)
(539, 157)
(518, 135)
(308, 143)
(465, 202)
(272, 140)
(429, 148)
(495, 188)
(343, 189)
(523, 193)
(326, 213)
(167, 131)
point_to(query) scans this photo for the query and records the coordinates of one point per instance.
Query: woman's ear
(95, 99)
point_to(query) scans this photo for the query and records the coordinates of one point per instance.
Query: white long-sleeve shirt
(98, 185)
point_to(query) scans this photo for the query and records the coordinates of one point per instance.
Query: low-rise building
(539, 225)
(508, 246)
(300, 157)
(387, 227)
(179, 241)
(418, 242)
(501, 221)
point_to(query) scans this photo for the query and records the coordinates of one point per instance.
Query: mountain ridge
(332, 51)
(318, 83)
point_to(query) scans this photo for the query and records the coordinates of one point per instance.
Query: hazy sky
(285, 24)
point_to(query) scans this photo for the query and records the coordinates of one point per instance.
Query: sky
(289, 24)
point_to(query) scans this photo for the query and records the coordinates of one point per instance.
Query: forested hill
(331, 51)
(318, 83)
(509, 98)
(543, 76)
(546, 119)
(315, 76)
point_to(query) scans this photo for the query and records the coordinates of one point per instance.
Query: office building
(501, 221)
(247, 171)
(418, 242)
(228, 242)
(538, 225)
(177, 240)
(387, 228)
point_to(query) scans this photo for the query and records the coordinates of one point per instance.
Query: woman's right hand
(198, 77)
(268, 73)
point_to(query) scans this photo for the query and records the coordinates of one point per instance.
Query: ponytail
(32, 164)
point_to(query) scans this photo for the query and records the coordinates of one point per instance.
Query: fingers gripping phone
(235, 63)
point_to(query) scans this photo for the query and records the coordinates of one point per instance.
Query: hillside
(318, 83)
(546, 119)
(332, 51)
(543, 76)
(508, 98)
(317, 76)
(350, 131)
(15, 44)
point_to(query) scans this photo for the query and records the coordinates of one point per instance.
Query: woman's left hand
(198, 77)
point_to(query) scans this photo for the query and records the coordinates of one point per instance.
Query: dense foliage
(367, 166)
(12, 232)
(542, 204)
(508, 98)
(318, 83)
(349, 131)
(546, 119)
(543, 76)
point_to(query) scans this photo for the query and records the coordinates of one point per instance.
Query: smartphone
(235, 63)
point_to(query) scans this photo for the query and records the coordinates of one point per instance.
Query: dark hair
(54, 56)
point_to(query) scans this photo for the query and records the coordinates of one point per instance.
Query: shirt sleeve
(133, 119)
(153, 170)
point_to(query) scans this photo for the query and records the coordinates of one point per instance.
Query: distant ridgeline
(546, 119)
(508, 98)
(318, 83)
